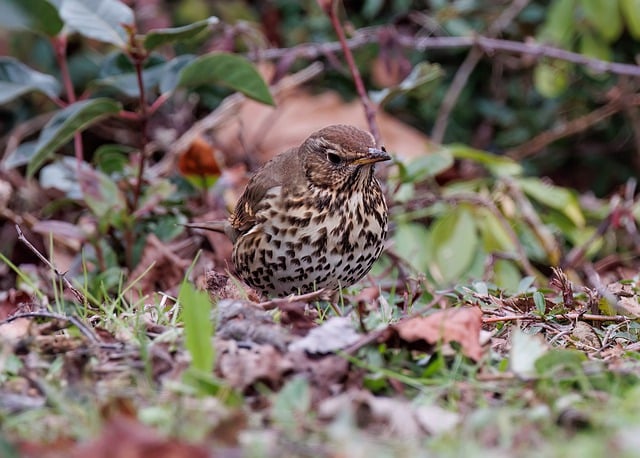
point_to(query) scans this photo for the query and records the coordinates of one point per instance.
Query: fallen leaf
(242, 367)
(334, 334)
(126, 437)
(525, 350)
(462, 325)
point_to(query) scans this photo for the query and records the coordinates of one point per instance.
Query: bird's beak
(375, 155)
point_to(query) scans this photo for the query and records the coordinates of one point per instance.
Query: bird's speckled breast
(295, 248)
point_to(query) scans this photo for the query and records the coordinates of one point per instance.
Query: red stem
(369, 109)
(60, 49)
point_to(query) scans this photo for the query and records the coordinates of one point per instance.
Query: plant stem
(60, 49)
(369, 109)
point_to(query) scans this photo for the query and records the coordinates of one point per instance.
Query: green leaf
(164, 75)
(100, 20)
(101, 194)
(560, 359)
(494, 236)
(427, 165)
(631, 13)
(65, 123)
(227, 70)
(593, 46)
(506, 275)
(38, 16)
(411, 241)
(559, 27)
(159, 37)
(539, 301)
(561, 199)
(20, 156)
(605, 17)
(112, 158)
(420, 75)
(454, 241)
(198, 327)
(497, 165)
(17, 79)
(551, 77)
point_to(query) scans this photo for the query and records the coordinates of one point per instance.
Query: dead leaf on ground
(242, 367)
(462, 325)
(389, 416)
(334, 334)
(125, 437)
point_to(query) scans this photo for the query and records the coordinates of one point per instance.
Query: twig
(369, 35)
(78, 295)
(230, 104)
(320, 294)
(369, 109)
(59, 44)
(466, 68)
(83, 328)
(562, 316)
(572, 127)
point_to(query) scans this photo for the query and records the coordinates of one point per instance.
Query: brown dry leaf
(125, 437)
(242, 367)
(271, 130)
(460, 325)
(628, 306)
(327, 375)
(199, 159)
(389, 416)
(584, 335)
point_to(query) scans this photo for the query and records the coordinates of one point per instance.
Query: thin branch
(60, 49)
(464, 71)
(562, 316)
(572, 127)
(78, 295)
(370, 35)
(232, 103)
(319, 295)
(83, 328)
(369, 108)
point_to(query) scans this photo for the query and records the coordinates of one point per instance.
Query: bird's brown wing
(284, 170)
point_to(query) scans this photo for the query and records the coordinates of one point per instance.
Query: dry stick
(308, 297)
(370, 35)
(470, 62)
(562, 316)
(369, 109)
(78, 295)
(83, 328)
(232, 103)
(572, 127)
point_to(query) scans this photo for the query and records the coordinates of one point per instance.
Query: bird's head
(340, 156)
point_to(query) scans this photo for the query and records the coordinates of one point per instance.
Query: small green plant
(135, 75)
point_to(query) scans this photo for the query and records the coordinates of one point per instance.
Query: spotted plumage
(312, 217)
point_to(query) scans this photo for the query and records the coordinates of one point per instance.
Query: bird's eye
(334, 158)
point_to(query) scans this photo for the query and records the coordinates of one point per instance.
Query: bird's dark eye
(334, 158)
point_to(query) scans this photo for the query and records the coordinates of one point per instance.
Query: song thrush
(312, 217)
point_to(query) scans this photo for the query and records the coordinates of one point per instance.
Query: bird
(312, 217)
